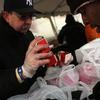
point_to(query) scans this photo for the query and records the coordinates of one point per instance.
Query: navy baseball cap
(23, 7)
(75, 5)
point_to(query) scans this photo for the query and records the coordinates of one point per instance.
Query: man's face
(93, 14)
(18, 22)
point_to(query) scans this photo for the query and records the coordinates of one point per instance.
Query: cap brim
(32, 12)
(83, 4)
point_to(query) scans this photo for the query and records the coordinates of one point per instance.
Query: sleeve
(8, 83)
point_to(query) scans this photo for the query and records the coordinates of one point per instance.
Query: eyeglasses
(23, 17)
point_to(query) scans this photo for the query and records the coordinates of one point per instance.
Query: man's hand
(34, 58)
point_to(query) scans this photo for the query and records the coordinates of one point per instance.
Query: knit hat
(23, 7)
(75, 5)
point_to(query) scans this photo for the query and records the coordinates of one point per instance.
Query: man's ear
(85, 19)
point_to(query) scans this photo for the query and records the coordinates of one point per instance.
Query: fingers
(40, 48)
(43, 62)
(39, 59)
(40, 62)
(43, 55)
(32, 63)
(33, 43)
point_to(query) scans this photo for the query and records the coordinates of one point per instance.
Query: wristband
(18, 77)
(20, 72)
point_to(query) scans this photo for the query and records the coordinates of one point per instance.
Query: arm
(9, 85)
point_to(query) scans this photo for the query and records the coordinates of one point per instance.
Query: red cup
(61, 56)
(53, 61)
(41, 42)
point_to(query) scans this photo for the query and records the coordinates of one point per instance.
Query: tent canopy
(48, 7)
(52, 7)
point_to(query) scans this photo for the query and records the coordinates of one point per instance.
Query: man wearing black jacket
(19, 59)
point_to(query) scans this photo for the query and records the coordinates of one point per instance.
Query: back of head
(75, 5)
(23, 7)
(70, 19)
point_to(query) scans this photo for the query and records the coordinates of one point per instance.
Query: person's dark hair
(69, 19)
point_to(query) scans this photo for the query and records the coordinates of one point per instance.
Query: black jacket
(13, 47)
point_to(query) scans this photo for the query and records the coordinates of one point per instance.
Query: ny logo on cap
(29, 2)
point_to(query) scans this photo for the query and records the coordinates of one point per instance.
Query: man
(72, 36)
(72, 33)
(20, 60)
(90, 13)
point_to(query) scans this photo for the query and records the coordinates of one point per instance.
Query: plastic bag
(52, 75)
(86, 50)
(90, 53)
(69, 78)
(41, 91)
(88, 75)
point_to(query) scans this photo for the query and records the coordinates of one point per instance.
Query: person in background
(72, 36)
(20, 59)
(91, 18)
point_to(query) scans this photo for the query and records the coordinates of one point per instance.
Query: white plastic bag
(87, 49)
(68, 76)
(41, 91)
(88, 75)
(52, 75)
